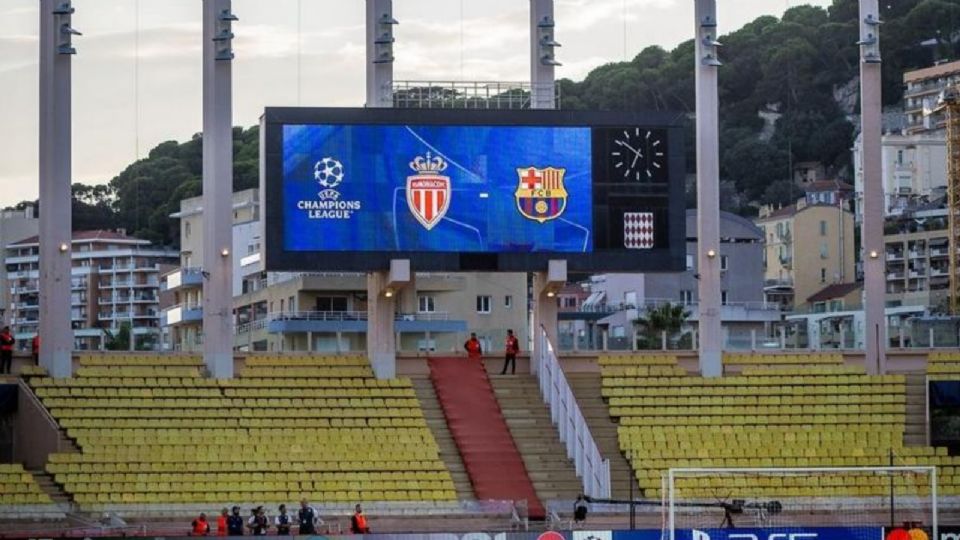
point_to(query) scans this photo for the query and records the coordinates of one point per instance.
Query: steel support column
(542, 59)
(873, 205)
(380, 40)
(708, 190)
(55, 177)
(217, 188)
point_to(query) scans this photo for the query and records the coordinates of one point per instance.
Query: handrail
(593, 470)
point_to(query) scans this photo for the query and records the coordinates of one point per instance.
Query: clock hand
(632, 149)
(636, 156)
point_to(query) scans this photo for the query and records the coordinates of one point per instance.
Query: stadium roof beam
(708, 190)
(56, 52)
(873, 203)
(218, 55)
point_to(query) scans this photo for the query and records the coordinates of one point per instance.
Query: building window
(723, 262)
(824, 250)
(723, 297)
(186, 229)
(483, 304)
(686, 296)
(689, 262)
(823, 275)
(823, 228)
(426, 304)
(508, 301)
(331, 303)
(291, 304)
(570, 302)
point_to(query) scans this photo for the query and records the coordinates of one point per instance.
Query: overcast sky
(114, 123)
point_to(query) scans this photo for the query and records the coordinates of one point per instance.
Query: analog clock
(638, 154)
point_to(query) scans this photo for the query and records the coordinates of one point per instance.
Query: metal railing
(318, 316)
(593, 470)
(465, 94)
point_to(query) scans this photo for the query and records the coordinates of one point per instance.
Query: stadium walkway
(489, 452)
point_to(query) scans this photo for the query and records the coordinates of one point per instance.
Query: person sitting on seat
(200, 527)
(579, 510)
(358, 523)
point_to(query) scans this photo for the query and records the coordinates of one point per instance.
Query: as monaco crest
(428, 191)
(540, 193)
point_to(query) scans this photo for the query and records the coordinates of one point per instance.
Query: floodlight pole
(708, 191)
(380, 23)
(218, 188)
(874, 286)
(56, 52)
(542, 59)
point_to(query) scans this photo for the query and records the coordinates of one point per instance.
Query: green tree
(662, 318)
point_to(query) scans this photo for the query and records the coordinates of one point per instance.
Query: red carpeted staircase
(489, 454)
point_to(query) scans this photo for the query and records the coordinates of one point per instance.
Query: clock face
(638, 155)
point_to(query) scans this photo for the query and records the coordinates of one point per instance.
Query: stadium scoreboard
(471, 190)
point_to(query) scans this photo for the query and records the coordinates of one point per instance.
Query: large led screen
(437, 188)
(351, 189)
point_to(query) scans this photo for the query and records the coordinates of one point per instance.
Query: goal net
(856, 501)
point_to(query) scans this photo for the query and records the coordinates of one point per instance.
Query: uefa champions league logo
(329, 172)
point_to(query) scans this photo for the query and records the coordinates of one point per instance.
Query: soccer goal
(854, 500)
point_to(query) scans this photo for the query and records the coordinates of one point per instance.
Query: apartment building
(114, 282)
(922, 88)
(808, 245)
(14, 225)
(183, 318)
(917, 260)
(284, 311)
(914, 170)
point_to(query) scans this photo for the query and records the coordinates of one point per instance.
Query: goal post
(853, 499)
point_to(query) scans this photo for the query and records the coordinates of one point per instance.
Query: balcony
(183, 277)
(895, 256)
(435, 321)
(937, 252)
(894, 276)
(181, 314)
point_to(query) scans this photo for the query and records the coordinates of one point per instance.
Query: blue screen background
(482, 163)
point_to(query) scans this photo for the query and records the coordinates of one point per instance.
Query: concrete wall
(36, 434)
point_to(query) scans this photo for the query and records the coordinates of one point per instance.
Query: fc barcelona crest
(428, 191)
(540, 193)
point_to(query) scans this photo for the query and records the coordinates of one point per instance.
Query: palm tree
(662, 318)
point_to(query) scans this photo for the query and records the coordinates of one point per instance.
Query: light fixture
(551, 294)
(711, 253)
(874, 254)
(64, 247)
(388, 293)
(224, 252)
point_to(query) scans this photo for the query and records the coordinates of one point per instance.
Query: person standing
(222, 522)
(511, 348)
(358, 523)
(307, 518)
(235, 523)
(258, 522)
(473, 348)
(6, 350)
(200, 527)
(35, 349)
(283, 521)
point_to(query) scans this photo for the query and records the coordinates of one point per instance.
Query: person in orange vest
(512, 347)
(35, 349)
(6, 350)
(473, 348)
(222, 522)
(358, 523)
(200, 527)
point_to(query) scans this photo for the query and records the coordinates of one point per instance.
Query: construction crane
(949, 102)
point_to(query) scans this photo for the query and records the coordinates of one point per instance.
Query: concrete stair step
(437, 424)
